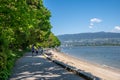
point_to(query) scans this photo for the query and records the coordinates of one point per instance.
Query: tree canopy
(23, 23)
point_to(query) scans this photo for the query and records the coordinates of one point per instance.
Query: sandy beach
(101, 71)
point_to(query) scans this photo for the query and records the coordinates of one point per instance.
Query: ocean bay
(103, 55)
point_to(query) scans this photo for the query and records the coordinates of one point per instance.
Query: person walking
(33, 49)
(36, 51)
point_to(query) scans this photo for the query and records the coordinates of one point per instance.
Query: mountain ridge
(90, 35)
(90, 39)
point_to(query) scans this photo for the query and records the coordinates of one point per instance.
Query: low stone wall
(81, 73)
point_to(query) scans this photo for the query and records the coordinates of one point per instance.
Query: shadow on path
(38, 68)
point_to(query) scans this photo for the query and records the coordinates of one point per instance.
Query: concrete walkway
(39, 68)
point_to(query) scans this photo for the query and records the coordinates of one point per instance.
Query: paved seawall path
(39, 68)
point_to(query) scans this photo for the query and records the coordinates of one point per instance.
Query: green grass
(7, 62)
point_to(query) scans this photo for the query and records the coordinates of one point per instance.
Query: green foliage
(53, 41)
(22, 23)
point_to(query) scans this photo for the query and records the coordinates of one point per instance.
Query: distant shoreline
(101, 71)
(91, 39)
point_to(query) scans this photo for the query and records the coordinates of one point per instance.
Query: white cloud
(90, 26)
(117, 28)
(94, 20)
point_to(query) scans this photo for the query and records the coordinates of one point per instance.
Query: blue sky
(80, 16)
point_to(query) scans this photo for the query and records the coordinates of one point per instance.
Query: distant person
(36, 51)
(33, 49)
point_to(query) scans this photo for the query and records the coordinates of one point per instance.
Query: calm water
(104, 55)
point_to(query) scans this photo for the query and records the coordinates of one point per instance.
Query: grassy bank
(7, 62)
